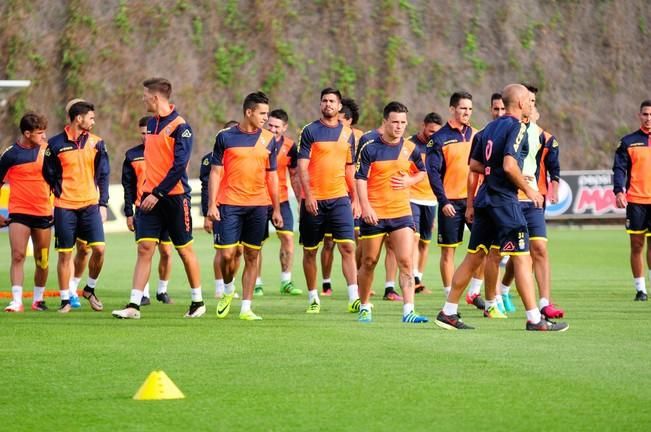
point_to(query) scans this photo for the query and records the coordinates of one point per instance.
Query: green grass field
(294, 371)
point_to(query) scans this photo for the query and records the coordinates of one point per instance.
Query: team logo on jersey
(430, 143)
(48, 152)
(206, 161)
(521, 244)
(186, 134)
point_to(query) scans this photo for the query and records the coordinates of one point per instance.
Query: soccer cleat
(195, 310)
(74, 302)
(289, 288)
(640, 296)
(258, 291)
(365, 316)
(39, 306)
(476, 300)
(313, 308)
(421, 289)
(494, 312)
(164, 298)
(95, 303)
(414, 318)
(15, 307)
(500, 306)
(327, 292)
(65, 307)
(145, 301)
(354, 305)
(249, 316)
(129, 312)
(508, 303)
(224, 306)
(546, 325)
(392, 296)
(552, 312)
(451, 322)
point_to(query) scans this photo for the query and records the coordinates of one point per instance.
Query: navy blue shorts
(288, 218)
(164, 236)
(638, 218)
(334, 216)
(84, 223)
(245, 225)
(503, 227)
(385, 226)
(424, 216)
(30, 221)
(451, 228)
(170, 215)
(535, 218)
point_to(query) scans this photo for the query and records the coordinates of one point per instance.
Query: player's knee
(539, 249)
(251, 255)
(165, 252)
(17, 256)
(637, 244)
(369, 262)
(98, 250)
(146, 249)
(347, 248)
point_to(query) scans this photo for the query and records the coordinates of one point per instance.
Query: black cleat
(546, 325)
(451, 322)
(164, 298)
(640, 296)
(145, 301)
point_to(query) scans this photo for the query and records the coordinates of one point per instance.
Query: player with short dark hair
(632, 187)
(243, 183)
(76, 166)
(30, 210)
(497, 105)
(325, 165)
(386, 170)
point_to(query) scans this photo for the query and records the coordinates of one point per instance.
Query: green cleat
(258, 291)
(289, 288)
(250, 316)
(354, 305)
(313, 308)
(495, 313)
(365, 316)
(224, 306)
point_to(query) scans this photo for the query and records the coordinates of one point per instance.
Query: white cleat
(126, 313)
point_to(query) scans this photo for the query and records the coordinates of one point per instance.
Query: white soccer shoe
(126, 313)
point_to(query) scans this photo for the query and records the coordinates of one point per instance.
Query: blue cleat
(508, 303)
(74, 302)
(414, 318)
(365, 316)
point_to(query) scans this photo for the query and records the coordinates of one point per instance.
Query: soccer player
(286, 160)
(325, 166)
(76, 167)
(386, 170)
(542, 158)
(497, 105)
(423, 203)
(348, 115)
(244, 181)
(133, 179)
(498, 219)
(165, 202)
(208, 225)
(30, 210)
(633, 192)
(447, 169)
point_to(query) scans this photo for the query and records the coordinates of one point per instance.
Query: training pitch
(294, 371)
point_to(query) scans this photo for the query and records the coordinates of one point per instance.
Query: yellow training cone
(158, 386)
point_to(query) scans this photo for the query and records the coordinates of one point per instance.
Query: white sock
(327, 280)
(65, 295)
(73, 285)
(640, 284)
(533, 316)
(258, 281)
(246, 306)
(450, 308)
(229, 288)
(365, 306)
(219, 287)
(504, 289)
(92, 283)
(407, 308)
(162, 287)
(500, 302)
(38, 293)
(475, 286)
(145, 292)
(390, 284)
(313, 296)
(285, 276)
(417, 274)
(136, 296)
(196, 294)
(446, 291)
(543, 302)
(353, 292)
(17, 293)
(489, 303)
